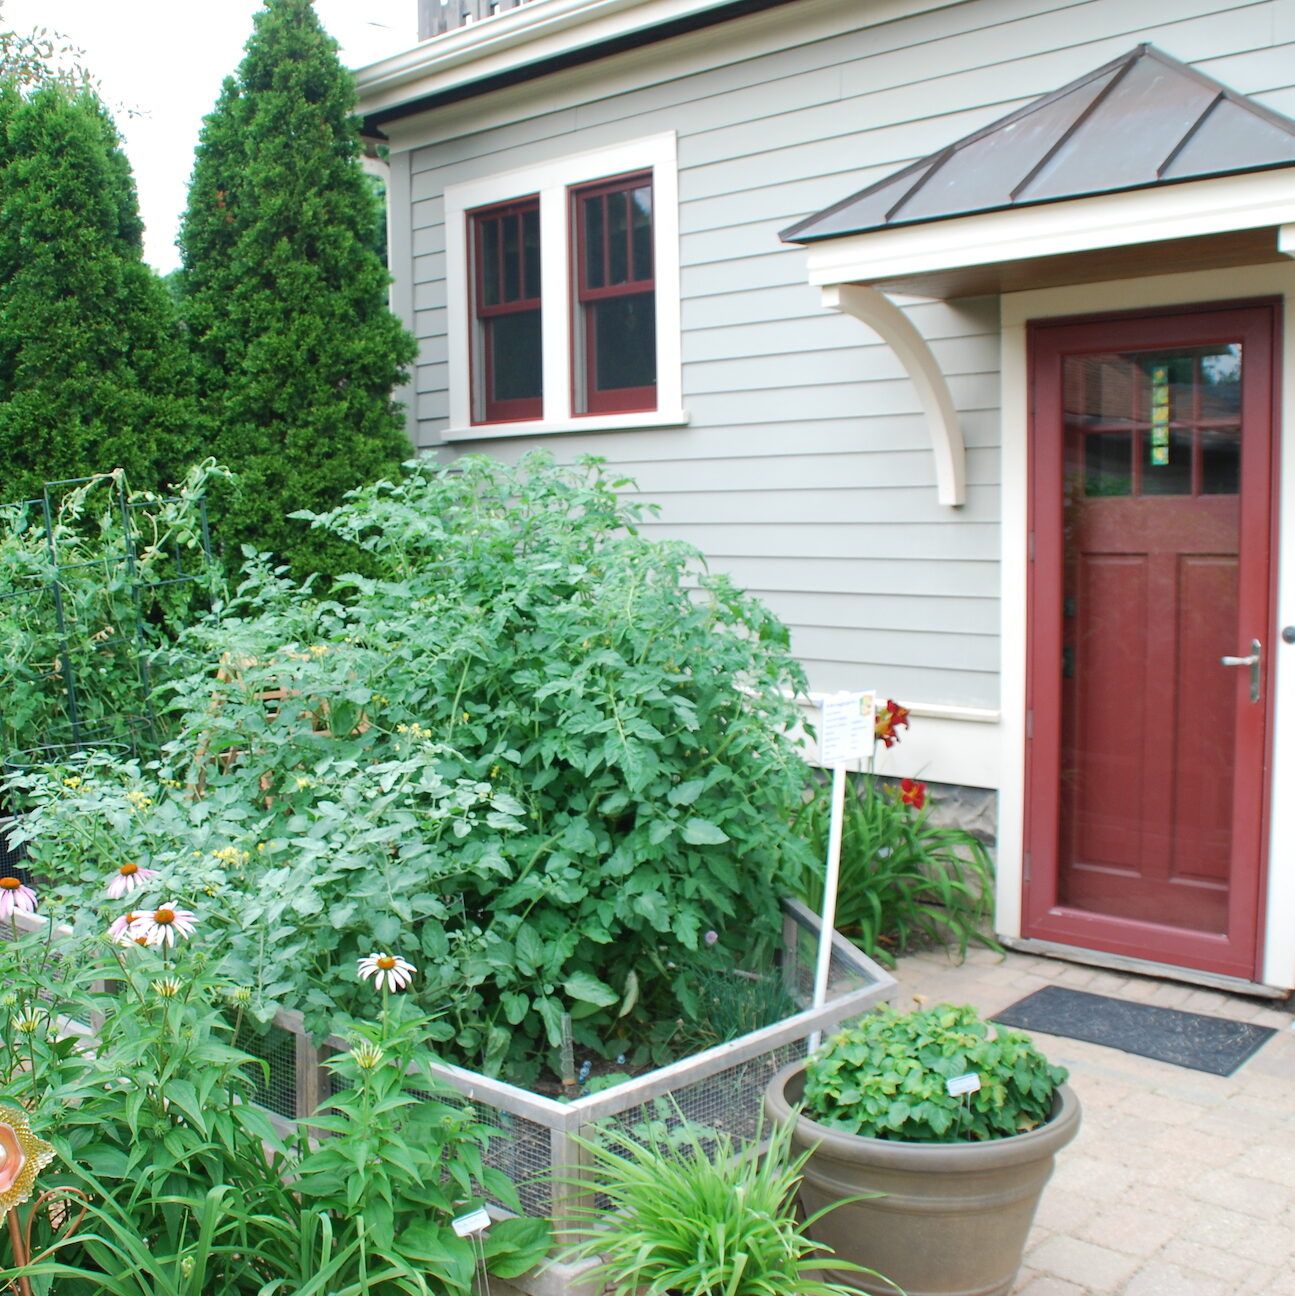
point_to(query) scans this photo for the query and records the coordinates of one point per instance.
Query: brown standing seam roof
(1144, 119)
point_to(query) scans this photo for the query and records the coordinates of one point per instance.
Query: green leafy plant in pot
(941, 1131)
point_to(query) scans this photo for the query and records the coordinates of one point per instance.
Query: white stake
(830, 886)
(845, 734)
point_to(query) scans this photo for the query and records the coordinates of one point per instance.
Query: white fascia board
(528, 34)
(1199, 207)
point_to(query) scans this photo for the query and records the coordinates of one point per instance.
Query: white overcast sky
(165, 60)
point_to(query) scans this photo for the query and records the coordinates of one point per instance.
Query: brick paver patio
(1180, 1183)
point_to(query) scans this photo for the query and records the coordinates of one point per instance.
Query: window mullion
(555, 291)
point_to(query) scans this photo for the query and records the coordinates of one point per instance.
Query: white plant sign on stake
(845, 734)
(473, 1225)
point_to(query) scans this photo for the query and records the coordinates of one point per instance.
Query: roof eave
(525, 43)
(805, 240)
(1191, 209)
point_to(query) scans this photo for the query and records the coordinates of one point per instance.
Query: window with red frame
(615, 325)
(507, 369)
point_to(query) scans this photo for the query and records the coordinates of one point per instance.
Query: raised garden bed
(719, 1089)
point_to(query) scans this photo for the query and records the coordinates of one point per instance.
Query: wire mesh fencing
(535, 1139)
(720, 1089)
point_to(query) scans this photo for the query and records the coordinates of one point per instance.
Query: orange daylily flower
(912, 793)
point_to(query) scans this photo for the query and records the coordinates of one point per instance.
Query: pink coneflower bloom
(388, 968)
(119, 928)
(15, 898)
(127, 878)
(163, 926)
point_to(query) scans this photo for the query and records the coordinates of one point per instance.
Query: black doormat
(1213, 1044)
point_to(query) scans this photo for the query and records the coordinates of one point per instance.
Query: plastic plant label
(846, 733)
(476, 1221)
(963, 1084)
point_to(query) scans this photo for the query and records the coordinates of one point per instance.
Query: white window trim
(552, 181)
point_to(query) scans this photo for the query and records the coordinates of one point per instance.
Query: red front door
(1151, 476)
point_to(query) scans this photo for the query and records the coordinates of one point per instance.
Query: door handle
(1252, 661)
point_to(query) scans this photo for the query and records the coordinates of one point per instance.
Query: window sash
(499, 236)
(615, 277)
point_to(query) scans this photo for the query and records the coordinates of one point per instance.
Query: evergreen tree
(94, 370)
(284, 296)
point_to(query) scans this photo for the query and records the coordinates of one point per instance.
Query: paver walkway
(1179, 1183)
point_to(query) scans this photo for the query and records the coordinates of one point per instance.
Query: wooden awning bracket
(873, 308)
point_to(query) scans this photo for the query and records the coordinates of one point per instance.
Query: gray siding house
(957, 333)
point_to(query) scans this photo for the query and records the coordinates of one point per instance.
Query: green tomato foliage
(887, 1078)
(536, 752)
(88, 602)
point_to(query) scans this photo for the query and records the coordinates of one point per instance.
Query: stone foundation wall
(955, 806)
(975, 809)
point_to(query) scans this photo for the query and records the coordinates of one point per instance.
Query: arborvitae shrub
(94, 371)
(284, 295)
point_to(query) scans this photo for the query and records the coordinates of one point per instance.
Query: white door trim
(1129, 294)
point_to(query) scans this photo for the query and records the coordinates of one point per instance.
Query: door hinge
(1029, 548)
(1025, 866)
(1029, 724)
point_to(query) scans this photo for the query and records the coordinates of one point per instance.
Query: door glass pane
(1166, 462)
(1220, 461)
(1108, 463)
(1221, 382)
(1150, 604)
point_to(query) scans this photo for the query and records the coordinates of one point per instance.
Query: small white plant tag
(963, 1084)
(476, 1221)
(846, 731)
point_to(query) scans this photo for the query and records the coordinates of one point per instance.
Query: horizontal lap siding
(806, 469)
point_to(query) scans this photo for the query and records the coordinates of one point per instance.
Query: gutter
(526, 43)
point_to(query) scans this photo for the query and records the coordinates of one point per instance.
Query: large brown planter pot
(951, 1218)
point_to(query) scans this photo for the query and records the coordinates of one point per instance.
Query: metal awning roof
(1142, 120)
